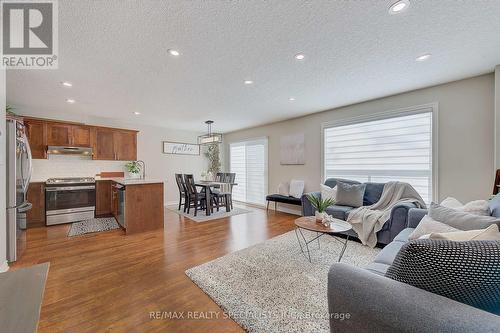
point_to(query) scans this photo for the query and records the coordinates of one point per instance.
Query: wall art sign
(180, 148)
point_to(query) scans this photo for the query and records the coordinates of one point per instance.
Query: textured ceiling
(115, 54)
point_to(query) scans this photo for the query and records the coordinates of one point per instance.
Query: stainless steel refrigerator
(19, 169)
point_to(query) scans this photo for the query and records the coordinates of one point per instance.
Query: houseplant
(320, 205)
(133, 169)
(213, 156)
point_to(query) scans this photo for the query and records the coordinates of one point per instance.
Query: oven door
(66, 199)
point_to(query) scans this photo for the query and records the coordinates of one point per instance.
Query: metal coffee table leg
(306, 242)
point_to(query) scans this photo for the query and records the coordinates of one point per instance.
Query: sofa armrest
(362, 301)
(307, 208)
(415, 215)
(399, 218)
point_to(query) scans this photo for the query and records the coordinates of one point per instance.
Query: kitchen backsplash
(71, 166)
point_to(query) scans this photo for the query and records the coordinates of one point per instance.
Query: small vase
(134, 175)
(319, 216)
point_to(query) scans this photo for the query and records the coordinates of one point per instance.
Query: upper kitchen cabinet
(80, 136)
(104, 148)
(37, 137)
(125, 145)
(114, 144)
(59, 134)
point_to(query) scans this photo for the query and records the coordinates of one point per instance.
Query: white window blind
(398, 148)
(249, 161)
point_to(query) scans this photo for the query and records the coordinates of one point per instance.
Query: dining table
(208, 185)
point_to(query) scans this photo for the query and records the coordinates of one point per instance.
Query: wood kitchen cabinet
(107, 143)
(35, 217)
(103, 198)
(80, 136)
(125, 145)
(59, 134)
(115, 145)
(37, 137)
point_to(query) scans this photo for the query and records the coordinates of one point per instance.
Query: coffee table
(309, 223)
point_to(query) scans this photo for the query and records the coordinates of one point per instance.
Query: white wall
(3, 221)
(149, 149)
(465, 136)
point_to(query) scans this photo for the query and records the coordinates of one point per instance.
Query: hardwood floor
(111, 282)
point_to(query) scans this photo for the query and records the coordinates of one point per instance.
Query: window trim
(266, 162)
(430, 107)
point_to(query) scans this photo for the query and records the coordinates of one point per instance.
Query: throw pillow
(490, 233)
(460, 220)
(284, 189)
(476, 207)
(428, 226)
(468, 272)
(296, 188)
(327, 192)
(350, 195)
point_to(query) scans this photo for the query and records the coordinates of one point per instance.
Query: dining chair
(195, 199)
(182, 190)
(230, 178)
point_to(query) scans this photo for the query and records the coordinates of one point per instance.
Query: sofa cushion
(389, 252)
(460, 220)
(403, 235)
(494, 205)
(350, 194)
(339, 212)
(468, 272)
(373, 192)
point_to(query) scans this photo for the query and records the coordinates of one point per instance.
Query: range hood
(62, 150)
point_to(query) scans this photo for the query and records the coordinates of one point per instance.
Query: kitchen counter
(131, 181)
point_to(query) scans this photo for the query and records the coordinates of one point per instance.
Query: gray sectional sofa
(376, 303)
(373, 191)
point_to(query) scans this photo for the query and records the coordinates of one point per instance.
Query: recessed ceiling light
(291, 99)
(399, 7)
(70, 101)
(67, 84)
(423, 57)
(137, 113)
(300, 56)
(174, 53)
(248, 82)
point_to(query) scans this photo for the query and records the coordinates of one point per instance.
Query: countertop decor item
(133, 169)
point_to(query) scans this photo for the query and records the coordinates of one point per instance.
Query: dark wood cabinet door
(36, 215)
(103, 197)
(80, 136)
(59, 134)
(104, 145)
(35, 131)
(125, 145)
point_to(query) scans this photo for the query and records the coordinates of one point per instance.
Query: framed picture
(292, 150)
(180, 148)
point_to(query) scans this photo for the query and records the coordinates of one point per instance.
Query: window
(393, 148)
(249, 161)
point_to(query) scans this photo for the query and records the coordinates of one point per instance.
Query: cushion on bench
(284, 199)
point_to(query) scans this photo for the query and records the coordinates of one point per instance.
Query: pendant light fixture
(210, 138)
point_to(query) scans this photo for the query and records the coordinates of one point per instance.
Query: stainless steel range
(69, 199)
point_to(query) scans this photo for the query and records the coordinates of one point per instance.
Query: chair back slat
(180, 183)
(189, 182)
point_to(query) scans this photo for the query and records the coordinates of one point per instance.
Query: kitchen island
(137, 204)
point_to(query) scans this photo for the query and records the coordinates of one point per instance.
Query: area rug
(201, 217)
(93, 225)
(272, 287)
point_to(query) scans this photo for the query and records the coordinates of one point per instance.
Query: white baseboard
(170, 203)
(4, 267)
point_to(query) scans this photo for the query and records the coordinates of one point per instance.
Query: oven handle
(69, 188)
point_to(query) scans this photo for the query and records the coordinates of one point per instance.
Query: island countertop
(131, 181)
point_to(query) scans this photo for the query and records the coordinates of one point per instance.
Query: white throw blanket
(366, 221)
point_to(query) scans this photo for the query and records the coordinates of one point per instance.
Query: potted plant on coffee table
(320, 205)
